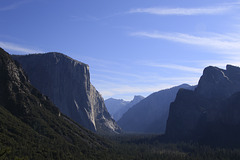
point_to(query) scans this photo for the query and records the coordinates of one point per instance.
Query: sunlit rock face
(67, 83)
(210, 113)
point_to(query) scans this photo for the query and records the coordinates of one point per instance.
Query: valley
(201, 121)
(119, 80)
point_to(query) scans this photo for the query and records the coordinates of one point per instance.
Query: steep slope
(114, 105)
(209, 114)
(117, 107)
(67, 83)
(32, 127)
(150, 115)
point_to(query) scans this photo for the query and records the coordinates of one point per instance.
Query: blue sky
(133, 47)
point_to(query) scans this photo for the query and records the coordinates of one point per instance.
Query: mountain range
(150, 115)
(117, 107)
(67, 84)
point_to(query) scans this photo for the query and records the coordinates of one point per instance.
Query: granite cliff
(31, 127)
(209, 114)
(219, 83)
(67, 83)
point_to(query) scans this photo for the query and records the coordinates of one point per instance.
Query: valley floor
(148, 147)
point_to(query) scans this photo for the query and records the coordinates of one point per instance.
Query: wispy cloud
(115, 82)
(175, 67)
(127, 91)
(222, 42)
(116, 90)
(13, 5)
(144, 86)
(150, 79)
(99, 62)
(185, 11)
(119, 73)
(15, 47)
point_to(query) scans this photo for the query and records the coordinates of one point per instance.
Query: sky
(133, 47)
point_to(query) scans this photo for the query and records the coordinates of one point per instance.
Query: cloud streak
(15, 47)
(116, 90)
(119, 73)
(127, 91)
(125, 88)
(175, 67)
(221, 42)
(13, 5)
(184, 11)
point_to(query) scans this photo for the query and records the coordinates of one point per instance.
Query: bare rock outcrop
(210, 113)
(67, 83)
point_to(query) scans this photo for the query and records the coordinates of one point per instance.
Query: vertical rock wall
(67, 83)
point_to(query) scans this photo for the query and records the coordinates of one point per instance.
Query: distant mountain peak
(137, 98)
(117, 107)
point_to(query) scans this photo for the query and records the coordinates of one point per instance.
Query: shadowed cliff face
(67, 83)
(209, 113)
(150, 114)
(219, 83)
